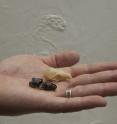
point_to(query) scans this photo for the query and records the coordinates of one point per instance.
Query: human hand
(89, 84)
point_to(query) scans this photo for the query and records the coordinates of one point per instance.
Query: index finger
(91, 68)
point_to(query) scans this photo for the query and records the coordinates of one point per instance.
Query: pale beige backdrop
(90, 28)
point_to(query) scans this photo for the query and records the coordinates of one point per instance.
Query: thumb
(63, 59)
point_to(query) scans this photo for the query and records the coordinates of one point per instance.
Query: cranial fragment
(58, 74)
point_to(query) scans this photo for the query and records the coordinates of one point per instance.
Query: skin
(89, 85)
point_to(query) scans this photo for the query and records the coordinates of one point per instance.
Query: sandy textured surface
(87, 26)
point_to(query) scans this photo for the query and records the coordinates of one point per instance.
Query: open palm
(89, 84)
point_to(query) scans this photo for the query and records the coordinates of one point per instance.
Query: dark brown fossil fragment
(43, 85)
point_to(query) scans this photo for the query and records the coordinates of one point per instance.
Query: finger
(105, 76)
(64, 105)
(102, 89)
(91, 68)
(63, 59)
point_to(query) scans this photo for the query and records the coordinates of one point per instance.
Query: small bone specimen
(57, 75)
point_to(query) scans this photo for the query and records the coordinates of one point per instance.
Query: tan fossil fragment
(57, 75)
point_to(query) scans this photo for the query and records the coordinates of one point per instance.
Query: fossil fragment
(57, 75)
